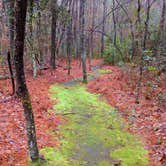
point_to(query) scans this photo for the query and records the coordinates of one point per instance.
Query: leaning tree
(22, 91)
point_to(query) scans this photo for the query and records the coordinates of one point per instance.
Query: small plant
(152, 69)
(105, 71)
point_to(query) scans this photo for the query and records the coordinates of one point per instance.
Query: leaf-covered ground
(13, 145)
(148, 118)
(118, 87)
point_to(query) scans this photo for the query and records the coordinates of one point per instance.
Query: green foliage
(92, 124)
(111, 53)
(152, 69)
(147, 53)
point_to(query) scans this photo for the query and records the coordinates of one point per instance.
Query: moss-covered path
(94, 134)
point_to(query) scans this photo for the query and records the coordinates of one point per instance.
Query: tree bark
(131, 29)
(143, 49)
(103, 27)
(83, 39)
(161, 29)
(11, 26)
(92, 32)
(114, 38)
(69, 40)
(34, 64)
(11, 72)
(53, 32)
(22, 91)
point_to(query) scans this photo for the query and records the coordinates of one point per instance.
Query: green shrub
(112, 54)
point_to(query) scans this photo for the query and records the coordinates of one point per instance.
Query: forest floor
(118, 87)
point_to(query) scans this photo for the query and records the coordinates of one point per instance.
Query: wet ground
(94, 133)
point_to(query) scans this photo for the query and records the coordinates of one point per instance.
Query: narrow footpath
(93, 133)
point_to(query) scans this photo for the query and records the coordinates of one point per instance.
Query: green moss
(104, 163)
(131, 155)
(37, 163)
(105, 71)
(93, 126)
(57, 157)
(152, 69)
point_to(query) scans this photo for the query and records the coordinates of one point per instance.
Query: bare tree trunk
(161, 29)
(138, 12)
(22, 91)
(143, 49)
(38, 31)
(11, 72)
(114, 38)
(1, 28)
(53, 32)
(83, 39)
(131, 28)
(69, 39)
(11, 26)
(92, 32)
(34, 65)
(103, 27)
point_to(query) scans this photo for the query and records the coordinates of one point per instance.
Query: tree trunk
(11, 72)
(92, 32)
(38, 34)
(114, 38)
(11, 26)
(161, 29)
(53, 32)
(103, 27)
(22, 91)
(83, 39)
(143, 49)
(34, 65)
(1, 34)
(131, 29)
(69, 39)
(138, 12)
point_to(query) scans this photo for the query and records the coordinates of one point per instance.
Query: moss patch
(105, 71)
(94, 134)
(137, 157)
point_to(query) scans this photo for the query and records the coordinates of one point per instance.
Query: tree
(34, 65)
(53, 32)
(69, 37)
(22, 91)
(103, 27)
(161, 29)
(11, 25)
(115, 31)
(92, 33)
(144, 47)
(83, 39)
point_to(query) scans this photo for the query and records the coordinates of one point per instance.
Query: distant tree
(83, 39)
(115, 29)
(161, 29)
(53, 32)
(103, 27)
(69, 37)
(34, 64)
(144, 46)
